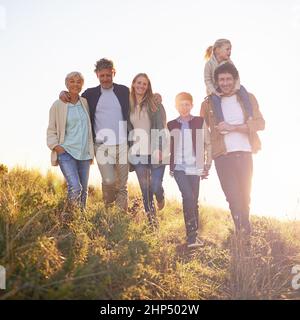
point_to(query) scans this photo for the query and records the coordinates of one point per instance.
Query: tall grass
(53, 252)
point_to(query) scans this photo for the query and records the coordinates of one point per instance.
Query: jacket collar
(181, 121)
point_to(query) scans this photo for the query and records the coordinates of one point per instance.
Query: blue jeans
(216, 100)
(234, 170)
(76, 173)
(150, 180)
(189, 188)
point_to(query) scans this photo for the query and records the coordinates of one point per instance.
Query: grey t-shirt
(110, 128)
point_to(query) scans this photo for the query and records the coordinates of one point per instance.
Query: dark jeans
(235, 174)
(189, 188)
(76, 173)
(150, 180)
(216, 100)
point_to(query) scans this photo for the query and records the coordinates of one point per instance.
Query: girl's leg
(157, 174)
(143, 175)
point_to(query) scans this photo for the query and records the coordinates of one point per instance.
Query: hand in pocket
(59, 150)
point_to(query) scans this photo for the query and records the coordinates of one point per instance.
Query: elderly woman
(69, 136)
(147, 118)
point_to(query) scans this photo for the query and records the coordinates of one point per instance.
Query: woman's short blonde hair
(74, 74)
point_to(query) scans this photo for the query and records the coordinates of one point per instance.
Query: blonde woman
(147, 118)
(69, 137)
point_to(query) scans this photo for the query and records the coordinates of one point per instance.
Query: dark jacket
(92, 96)
(194, 124)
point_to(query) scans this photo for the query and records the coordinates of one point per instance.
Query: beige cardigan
(57, 127)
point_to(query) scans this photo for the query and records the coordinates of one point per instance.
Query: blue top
(77, 130)
(184, 155)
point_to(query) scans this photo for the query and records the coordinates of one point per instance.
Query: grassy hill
(52, 253)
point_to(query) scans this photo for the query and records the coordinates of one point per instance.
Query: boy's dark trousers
(189, 188)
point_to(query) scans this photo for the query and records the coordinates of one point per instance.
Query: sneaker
(195, 244)
(161, 204)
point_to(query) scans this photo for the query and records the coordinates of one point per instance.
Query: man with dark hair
(232, 152)
(226, 68)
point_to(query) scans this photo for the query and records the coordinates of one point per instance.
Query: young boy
(190, 159)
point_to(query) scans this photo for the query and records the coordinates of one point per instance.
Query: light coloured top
(233, 114)
(76, 136)
(110, 128)
(184, 158)
(57, 127)
(141, 129)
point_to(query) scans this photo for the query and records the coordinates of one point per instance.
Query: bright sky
(42, 41)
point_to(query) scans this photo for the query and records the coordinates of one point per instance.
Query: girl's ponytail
(208, 53)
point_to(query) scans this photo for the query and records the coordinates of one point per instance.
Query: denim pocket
(63, 156)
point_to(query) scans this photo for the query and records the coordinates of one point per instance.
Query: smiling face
(140, 86)
(74, 85)
(184, 108)
(223, 52)
(106, 77)
(226, 83)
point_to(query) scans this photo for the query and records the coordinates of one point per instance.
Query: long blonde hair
(211, 49)
(147, 100)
